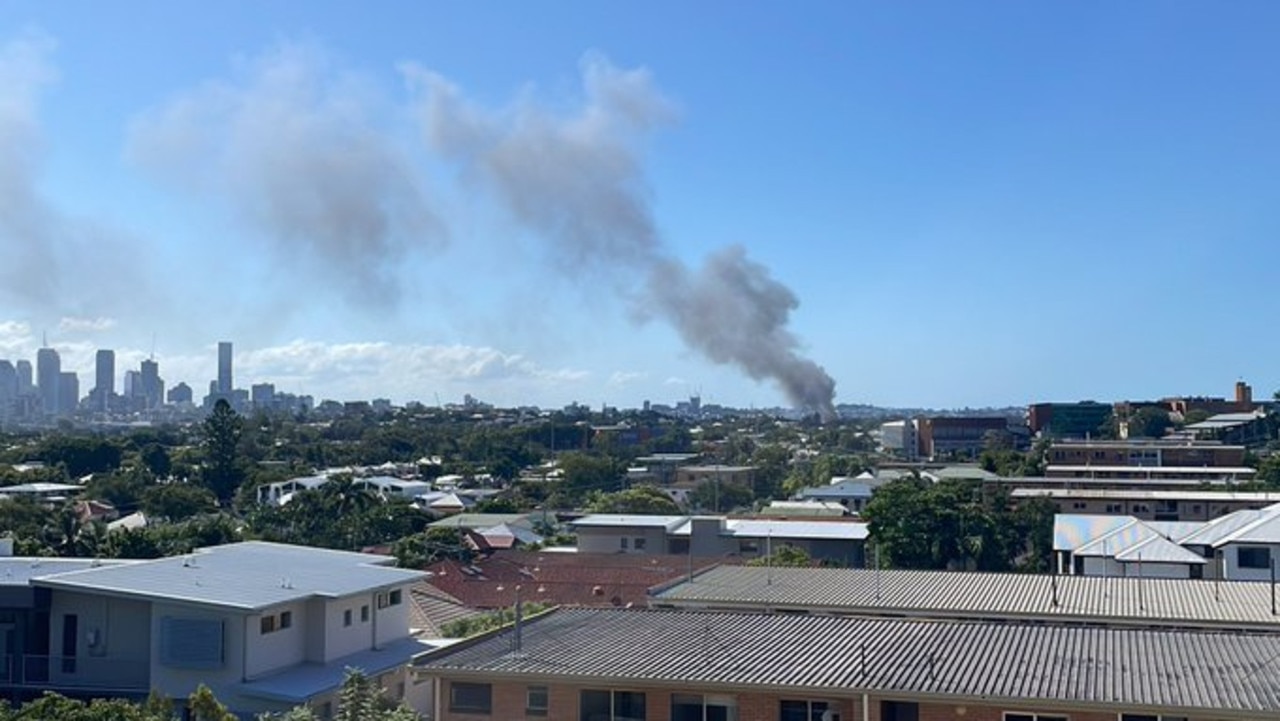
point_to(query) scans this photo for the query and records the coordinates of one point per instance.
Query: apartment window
(1079, 505)
(364, 613)
(470, 698)
(1254, 557)
(796, 710)
(267, 624)
(1149, 717)
(1115, 508)
(611, 706)
(1033, 717)
(286, 619)
(622, 542)
(346, 617)
(535, 701)
(395, 597)
(691, 707)
(638, 544)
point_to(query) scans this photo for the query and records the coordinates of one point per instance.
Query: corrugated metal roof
(1220, 529)
(1148, 494)
(1164, 669)
(1073, 530)
(1158, 549)
(630, 521)
(247, 576)
(945, 594)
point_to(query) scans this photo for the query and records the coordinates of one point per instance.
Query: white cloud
(15, 338)
(622, 378)
(71, 324)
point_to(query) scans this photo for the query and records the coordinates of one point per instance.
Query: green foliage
(784, 555)
(954, 525)
(466, 627)
(80, 455)
(1269, 471)
(584, 473)
(204, 706)
(1149, 422)
(177, 501)
(641, 500)
(337, 515)
(222, 473)
(423, 549)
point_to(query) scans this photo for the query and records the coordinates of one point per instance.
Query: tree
(638, 500)
(204, 706)
(177, 501)
(222, 472)
(423, 549)
(784, 556)
(718, 497)
(1149, 422)
(584, 473)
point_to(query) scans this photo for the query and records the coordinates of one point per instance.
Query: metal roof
(612, 520)
(994, 662)
(1147, 494)
(1158, 549)
(19, 570)
(482, 520)
(246, 576)
(1156, 471)
(1107, 600)
(301, 683)
(1222, 529)
(1073, 530)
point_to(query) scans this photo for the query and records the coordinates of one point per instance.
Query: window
(622, 542)
(267, 624)
(470, 698)
(70, 634)
(346, 617)
(381, 599)
(1033, 717)
(691, 707)
(803, 710)
(1253, 557)
(1149, 717)
(611, 706)
(535, 701)
(364, 613)
(286, 619)
(395, 596)
(638, 544)
(1115, 508)
(1079, 505)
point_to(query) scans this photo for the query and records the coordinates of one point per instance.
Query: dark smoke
(578, 182)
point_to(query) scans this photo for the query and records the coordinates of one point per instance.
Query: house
(596, 664)
(837, 541)
(851, 493)
(804, 509)
(266, 626)
(390, 487)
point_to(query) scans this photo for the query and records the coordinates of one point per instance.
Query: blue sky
(969, 203)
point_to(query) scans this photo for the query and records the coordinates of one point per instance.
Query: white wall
(112, 640)
(1231, 562)
(279, 649)
(179, 682)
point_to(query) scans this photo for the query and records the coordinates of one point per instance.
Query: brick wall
(509, 705)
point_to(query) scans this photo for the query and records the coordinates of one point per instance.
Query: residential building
(265, 626)
(588, 664)
(836, 541)
(851, 493)
(900, 437)
(1188, 504)
(1145, 453)
(1133, 475)
(1251, 429)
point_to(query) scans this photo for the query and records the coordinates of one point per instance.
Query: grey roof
(615, 520)
(483, 520)
(947, 594)
(1158, 549)
(1221, 529)
(246, 576)
(301, 683)
(41, 488)
(18, 570)
(1157, 471)
(1003, 663)
(1148, 494)
(1073, 530)
(843, 489)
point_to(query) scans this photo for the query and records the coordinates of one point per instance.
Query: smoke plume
(293, 148)
(578, 181)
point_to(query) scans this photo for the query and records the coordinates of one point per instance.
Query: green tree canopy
(640, 500)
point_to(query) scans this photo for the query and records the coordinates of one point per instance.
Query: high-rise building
(180, 393)
(262, 395)
(225, 385)
(133, 386)
(104, 380)
(68, 392)
(48, 381)
(8, 387)
(152, 386)
(26, 382)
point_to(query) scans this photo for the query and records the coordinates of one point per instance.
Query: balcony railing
(75, 672)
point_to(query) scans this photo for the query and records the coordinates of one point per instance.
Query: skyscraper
(225, 385)
(104, 385)
(25, 379)
(48, 379)
(8, 386)
(68, 392)
(152, 386)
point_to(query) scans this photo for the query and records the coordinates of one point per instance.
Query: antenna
(153, 346)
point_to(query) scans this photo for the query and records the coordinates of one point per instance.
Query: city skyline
(933, 206)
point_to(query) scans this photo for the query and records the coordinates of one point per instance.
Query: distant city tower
(224, 368)
(104, 385)
(48, 379)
